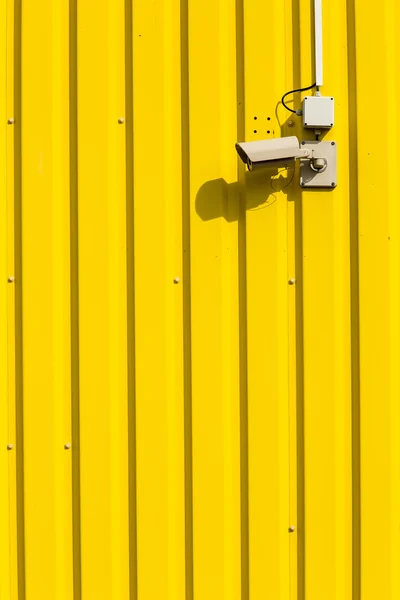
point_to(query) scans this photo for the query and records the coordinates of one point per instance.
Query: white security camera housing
(270, 153)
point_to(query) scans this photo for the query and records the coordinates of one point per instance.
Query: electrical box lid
(318, 112)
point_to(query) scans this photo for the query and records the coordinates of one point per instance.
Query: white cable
(318, 43)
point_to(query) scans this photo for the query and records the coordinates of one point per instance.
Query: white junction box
(318, 112)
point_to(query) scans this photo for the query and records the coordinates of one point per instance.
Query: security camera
(270, 153)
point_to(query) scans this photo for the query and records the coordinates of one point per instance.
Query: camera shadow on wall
(217, 198)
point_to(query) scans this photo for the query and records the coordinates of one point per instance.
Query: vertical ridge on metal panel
(5, 578)
(354, 299)
(295, 332)
(16, 523)
(378, 289)
(325, 273)
(175, 499)
(230, 303)
(242, 310)
(130, 300)
(60, 317)
(74, 301)
(19, 534)
(393, 89)
(186, 297)
(392, 16)
(336, 63)
(158, 300)
(267, 310)
(102, 306)
(117, 315)
(214, 304)
(45, 318)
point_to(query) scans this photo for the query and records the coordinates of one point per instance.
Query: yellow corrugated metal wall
(170, 406)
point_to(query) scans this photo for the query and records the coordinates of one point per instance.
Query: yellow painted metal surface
(176, 420)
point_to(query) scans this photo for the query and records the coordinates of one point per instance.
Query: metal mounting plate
(328, 177)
